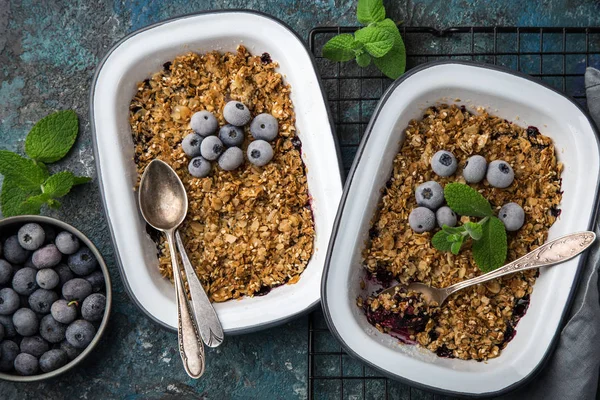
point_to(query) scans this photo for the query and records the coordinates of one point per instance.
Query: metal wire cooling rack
(555, 55)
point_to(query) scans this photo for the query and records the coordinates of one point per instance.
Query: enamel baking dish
(510, 95)
(134, 59)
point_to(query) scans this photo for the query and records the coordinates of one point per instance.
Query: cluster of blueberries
(50, 299)
(430, 195)
(203, 146)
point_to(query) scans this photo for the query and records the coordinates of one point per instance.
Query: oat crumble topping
(247, 230)
(477, 322)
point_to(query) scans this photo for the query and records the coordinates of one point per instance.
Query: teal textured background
(48, 53)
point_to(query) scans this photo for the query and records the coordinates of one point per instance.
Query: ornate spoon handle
(204, 313)
(553, 252)
(191, 348)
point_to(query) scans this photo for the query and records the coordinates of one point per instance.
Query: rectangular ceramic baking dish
(134, 59)
(510, 95)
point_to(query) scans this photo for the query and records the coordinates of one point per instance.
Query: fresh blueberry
(26, 364)
(76, 289)
(430, 194)
(264, 127)
(231, 135)
(71, 351)
(2, 334)
(191, 144)
(500, 174)
(443, 163)
(41, 300)
(83, 262)
(96, 279)
(513, 216)
(53, 359)
(259, 153)
(6, 271)
(67, 243)
(80, 333)
(211, 148)
(204, 123)
(63, 312)
(26, 322)
(93, 306)
(421, 219)
(445, 216)
(23, 281)
(50, 233)
(13, 252)
(47, 278)
(9, 327)
(236, 113)
(8, 352)
(64, 273)
(31, 236)
(199, 167)
(231, 159)
(46, 257)
(34, 345)
(475, 168)
(52, 330)
(9, 301)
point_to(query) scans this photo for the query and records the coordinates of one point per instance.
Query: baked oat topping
(477, 322)
(247, 230)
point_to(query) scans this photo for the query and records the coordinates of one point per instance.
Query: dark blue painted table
(48, 52)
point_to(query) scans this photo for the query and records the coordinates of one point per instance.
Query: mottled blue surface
(48, 53)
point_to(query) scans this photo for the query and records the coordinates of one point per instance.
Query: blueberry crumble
(478, 322)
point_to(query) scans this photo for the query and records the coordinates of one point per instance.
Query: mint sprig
(488, 235)
(27, 184)
(379, 41)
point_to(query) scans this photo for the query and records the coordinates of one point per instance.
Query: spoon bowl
(163, 200)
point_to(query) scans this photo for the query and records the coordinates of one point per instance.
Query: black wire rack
(556, 55)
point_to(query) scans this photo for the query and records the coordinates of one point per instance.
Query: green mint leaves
(369, 11)
(379, 41)
(464, 200)
(490, 251)
(52, 137)
(488, 235)
(27, 183)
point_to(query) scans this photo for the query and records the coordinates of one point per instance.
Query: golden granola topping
(475, 323)
(247, 230)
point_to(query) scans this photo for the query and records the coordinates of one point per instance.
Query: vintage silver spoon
(553, 252)
(163, 203)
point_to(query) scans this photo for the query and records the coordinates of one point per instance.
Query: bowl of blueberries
(55, 297)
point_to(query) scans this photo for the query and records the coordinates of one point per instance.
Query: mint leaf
(58, 184)
(474, 230)
(369, 11)
(79, 180)
(36, 202)
(441, 242)
(490, 251)
(363, 59)
(52, 137)
(455, 247)
(464, 200)
(393, 63)
(12, 198)
(21, 171)
(340, 48)
(450, 230)
(378, 42)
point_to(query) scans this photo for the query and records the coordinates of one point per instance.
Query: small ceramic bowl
(507, 94)
(12, 223)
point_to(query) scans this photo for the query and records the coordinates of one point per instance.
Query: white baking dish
(134, 59)
(517, 98)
